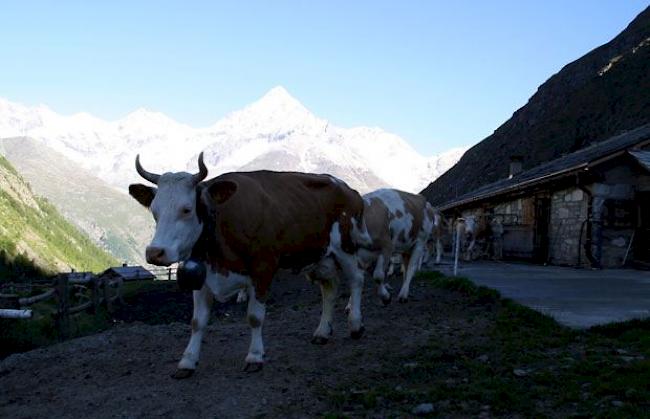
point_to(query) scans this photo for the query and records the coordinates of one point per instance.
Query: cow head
(173, 204)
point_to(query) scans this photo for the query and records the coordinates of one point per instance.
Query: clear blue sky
(439, 74)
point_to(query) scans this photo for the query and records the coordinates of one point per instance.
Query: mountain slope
(591, 99)
(112, 219)
(276, 132)
(32, 229)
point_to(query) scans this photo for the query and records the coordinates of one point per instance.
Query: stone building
(587, 208)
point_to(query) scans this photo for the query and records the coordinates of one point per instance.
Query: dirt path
(125, 372)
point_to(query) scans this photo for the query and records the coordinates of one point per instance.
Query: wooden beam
(15, 314)
(36, 298)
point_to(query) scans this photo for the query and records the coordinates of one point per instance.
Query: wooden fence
(164, 274)
(92, 291)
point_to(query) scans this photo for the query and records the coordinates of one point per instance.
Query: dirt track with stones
(125, 371)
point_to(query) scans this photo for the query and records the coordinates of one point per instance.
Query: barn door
(542, 220)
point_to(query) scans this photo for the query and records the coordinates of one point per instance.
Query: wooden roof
(130, 273)
(562, 166)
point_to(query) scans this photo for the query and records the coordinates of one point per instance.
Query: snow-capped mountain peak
(145, 120)
(275, 113)
(276, 132)
(278, 98)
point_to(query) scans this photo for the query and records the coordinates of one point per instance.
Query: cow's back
(416, 206)
(282, 217)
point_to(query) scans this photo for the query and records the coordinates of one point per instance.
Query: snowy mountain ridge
(276, 133)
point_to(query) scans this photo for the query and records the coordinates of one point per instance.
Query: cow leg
(202, 304)
(327, 278)
(438, 251)
(379, 276)
(255, 316)
(242, 296)
(354, 276)
(468, 252)
(426, 254)
(411, 265)
(324, 330)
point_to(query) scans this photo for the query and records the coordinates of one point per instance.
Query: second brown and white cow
(245, 227)
(473, 227)
(438, 231)
(398, 223)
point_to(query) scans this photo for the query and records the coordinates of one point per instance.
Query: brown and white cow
(398, 223)
(246, 226)
(470, 229)
(435, 239)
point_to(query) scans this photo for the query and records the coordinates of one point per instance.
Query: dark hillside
(591, 99)
(35, 239)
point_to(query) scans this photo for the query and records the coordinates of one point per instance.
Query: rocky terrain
(599, 95)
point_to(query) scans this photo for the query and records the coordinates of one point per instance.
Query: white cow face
(173, 205)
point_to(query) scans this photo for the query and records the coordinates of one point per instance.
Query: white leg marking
(324, 330)
(410, 271)
(202, 303)
(327, 276)
(391, 269)
(350, 267)
(379, 276)
(242, 296)
(355, 280)
(379, 272)
(255, 315)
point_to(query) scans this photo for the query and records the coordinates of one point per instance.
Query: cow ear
(142, 193)
(222, 191)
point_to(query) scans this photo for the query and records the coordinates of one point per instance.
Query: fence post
(169, 274)
(63, 315)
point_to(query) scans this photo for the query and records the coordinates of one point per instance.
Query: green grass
(517, 363)
(20, 335)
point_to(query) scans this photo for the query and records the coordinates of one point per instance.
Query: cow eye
(186, 210)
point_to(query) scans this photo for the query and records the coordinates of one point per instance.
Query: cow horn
(151, 177)
(203, 171)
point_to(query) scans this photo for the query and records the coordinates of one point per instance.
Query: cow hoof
(253, 366)
(403, 300)
(182, 373)
(387, 301)
(356, 334)
(319, 340)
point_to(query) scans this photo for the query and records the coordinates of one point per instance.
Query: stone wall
(568, 212)
(616, 197)
(512, 212)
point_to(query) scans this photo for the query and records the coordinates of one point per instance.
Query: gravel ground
(125, 371)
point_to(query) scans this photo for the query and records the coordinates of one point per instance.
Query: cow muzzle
(158, 256)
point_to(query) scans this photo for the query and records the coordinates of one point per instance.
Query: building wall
(616, 195)
(517, 220)
(609, 209)
(568, 212)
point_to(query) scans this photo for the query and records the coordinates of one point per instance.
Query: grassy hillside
(112, 219)
(591, 99)
(32, 232)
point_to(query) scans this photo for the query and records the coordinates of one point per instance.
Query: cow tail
(360, 234)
